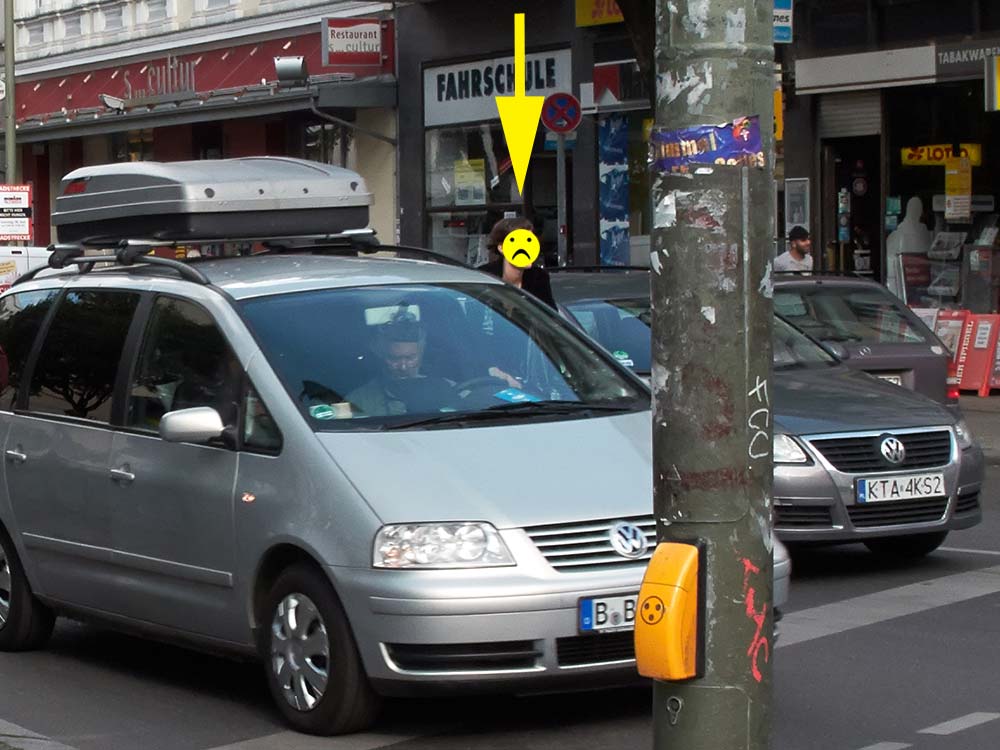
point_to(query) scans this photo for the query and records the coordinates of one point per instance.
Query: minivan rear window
(76, 369)
(21, 316)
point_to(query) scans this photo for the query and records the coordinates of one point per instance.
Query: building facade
(455, 175)
(188, 79)
(878, 96)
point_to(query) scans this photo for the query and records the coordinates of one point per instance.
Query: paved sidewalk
(983, 417)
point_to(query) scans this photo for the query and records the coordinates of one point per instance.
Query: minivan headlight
(787, 451)
(963, 434)
(440, 545)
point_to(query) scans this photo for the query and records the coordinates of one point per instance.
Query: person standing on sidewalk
(533, 279)
(798, 256)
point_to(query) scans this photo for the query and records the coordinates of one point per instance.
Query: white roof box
(221, 199)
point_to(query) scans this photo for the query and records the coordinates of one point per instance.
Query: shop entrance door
(852, 206)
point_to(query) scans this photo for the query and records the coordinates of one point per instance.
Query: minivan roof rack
(128, 253)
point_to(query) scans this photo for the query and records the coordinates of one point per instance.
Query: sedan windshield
(623, 328)
(791, 348)
(384, 357)
(846, 314)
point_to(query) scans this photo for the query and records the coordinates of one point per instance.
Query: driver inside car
(400, 387)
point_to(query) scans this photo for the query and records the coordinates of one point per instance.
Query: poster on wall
(15, 214)
(796, 203)
(470, 182)
(613, 193)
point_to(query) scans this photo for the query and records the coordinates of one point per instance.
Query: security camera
(291, 69)
(112, 102)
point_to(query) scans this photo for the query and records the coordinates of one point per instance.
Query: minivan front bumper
(506, 629)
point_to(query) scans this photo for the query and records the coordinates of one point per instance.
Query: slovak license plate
(894, 379)
(909, 487)
(607, 614)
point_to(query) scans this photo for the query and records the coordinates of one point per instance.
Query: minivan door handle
(123, 475)
(16, 456)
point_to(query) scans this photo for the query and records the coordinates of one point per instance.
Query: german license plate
(607, 614)
(909, 487)
(894, 379)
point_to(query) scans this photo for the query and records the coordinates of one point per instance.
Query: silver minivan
(381, 476)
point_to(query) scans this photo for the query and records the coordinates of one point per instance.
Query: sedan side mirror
(837, 349)
(196, 425)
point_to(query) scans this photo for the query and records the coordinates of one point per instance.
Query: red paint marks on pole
(719, 420)
(759, 641)
(716, 479)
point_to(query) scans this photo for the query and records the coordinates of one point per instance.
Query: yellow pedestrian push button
(667, 627)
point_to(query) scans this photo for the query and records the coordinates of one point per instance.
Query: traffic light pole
(712, 246)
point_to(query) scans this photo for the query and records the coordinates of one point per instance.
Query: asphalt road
(871, 657)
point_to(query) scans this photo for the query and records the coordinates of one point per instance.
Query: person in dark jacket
(534, 279)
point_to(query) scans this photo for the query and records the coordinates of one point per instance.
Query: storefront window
(470, 185)
(327, 143)
(469, 166)
(133, 145)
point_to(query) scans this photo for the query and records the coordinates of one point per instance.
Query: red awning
(220, 69)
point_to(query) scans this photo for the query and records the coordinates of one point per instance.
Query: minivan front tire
(25, 623)
(313, 667)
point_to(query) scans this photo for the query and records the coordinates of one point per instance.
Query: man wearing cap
(798, 255)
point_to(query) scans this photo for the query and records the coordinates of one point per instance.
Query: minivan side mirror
(196, 425)
(837, 349)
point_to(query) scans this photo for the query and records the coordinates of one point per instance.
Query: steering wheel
(477, 383)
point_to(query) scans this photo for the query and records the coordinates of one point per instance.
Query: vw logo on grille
(628, 540)
(893, 450)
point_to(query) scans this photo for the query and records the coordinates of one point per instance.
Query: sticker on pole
(735, 143)
(561, 112)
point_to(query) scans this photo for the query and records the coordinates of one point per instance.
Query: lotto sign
(15, 213)
(937, 155)
(561, 112)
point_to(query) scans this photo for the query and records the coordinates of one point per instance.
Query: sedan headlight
(964, 434)
(787, 451)
(440, 545)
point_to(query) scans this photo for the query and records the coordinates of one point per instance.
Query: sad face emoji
(521, 248)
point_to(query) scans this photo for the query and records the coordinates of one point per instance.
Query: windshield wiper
(503, 411)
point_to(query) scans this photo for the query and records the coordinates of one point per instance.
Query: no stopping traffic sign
(561, 112)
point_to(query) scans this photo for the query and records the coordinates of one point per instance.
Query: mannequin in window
(911, 236)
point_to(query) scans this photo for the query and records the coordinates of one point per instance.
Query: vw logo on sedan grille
(893, 450)
(628, 540)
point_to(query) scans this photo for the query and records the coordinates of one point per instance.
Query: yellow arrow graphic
(519, 113)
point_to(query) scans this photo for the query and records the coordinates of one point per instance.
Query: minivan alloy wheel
(300, 651)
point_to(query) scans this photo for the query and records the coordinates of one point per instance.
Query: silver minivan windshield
(418, 355)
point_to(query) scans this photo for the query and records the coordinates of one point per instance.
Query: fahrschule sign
(964, 59)
(465, 92)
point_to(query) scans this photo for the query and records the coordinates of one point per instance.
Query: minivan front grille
(578, 650)
(896, 512)
(586, 545)
(856, 455)
(464, 657)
